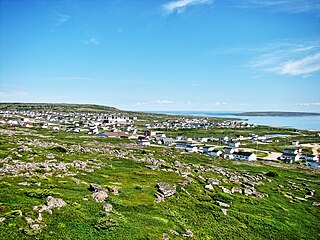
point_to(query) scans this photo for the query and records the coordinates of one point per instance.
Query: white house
(290, 151)
(228, 150)
(247, 156)
(203, 139)
(295, 143)
(310, 157)
(215, 153)
(234, 144)
(208, 149)
(144, 143)
(290, 157)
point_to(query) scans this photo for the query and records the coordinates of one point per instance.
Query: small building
(290, 157)
(181, 144)
(290, 151)
(144, 143)
(228, 150)
(166, 141)
(247, 156)
(150, 133)
(310, 157)
(295, 143)
(215, 153)
(203, 139)
(234, 144)
(208, 149)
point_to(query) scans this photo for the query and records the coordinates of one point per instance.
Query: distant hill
(278, 114)
(61, 107)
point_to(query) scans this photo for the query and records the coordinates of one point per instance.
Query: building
(247, 156)
(215, 153)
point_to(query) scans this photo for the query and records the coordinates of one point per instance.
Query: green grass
(136, 214)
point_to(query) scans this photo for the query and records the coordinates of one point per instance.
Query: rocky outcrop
(164, 191)
(100, 194)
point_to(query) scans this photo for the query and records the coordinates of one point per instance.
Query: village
(143, 133)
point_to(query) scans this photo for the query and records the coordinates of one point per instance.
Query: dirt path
(313, 146)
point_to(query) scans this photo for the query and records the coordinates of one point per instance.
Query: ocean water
(303, 123)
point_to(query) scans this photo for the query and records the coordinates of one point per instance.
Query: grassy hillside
(75, 161)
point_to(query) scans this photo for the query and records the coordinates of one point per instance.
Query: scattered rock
(29, 220)
(222, 204)
(115, 191)
(50, 156)
(316, 204)
(97, 188)
(213, 181)
(107, 207)
(236, 190)
(188, 234)
(38, 184)
(165, 189)
(55, 202)
(209, 186)
(24, 184)
(300, 198)
(37, 227)
(165, 236)
(174, 232)
(2, 219)
(225, 211)
(99, 196)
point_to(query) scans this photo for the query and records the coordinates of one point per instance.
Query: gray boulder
(99, 196)
(52, 202)
(165, 189)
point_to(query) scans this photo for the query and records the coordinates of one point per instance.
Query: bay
(300, 122)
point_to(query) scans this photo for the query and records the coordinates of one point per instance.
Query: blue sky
(213, 55)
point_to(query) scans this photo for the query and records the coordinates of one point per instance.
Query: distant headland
(278, 114)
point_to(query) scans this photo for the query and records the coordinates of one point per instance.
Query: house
(203, 139)
(181, 144)
(208, 149)
(290, 151)
(309, 157)
(228, 150)
(150, 133)
(247, 156)
(191, 148)
(295, 143)
(55, 128)
(215, 153)
(166, 141)
(233, 144)
(290, 157)
(117, 135)
(144, 143)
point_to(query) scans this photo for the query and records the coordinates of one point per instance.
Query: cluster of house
(293, 155)
(197, 146)
(190, 123)
(91, 123)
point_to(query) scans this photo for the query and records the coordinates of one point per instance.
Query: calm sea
(304, 123)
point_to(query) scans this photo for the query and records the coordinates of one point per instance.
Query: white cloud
(220, 103)
(291, 6)
(13, 94)
(180, 5)
(310, 104)
(92, 41)
(71, 78)
(306, 65)
(156, 102)
(289, 59)
(61, 18)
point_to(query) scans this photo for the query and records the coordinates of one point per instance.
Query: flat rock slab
(165, 189)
